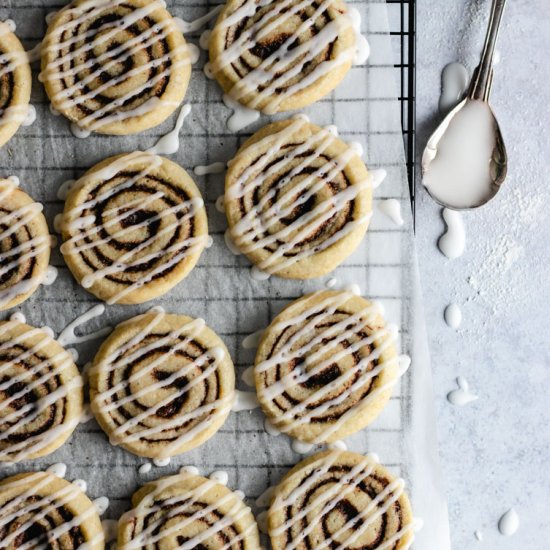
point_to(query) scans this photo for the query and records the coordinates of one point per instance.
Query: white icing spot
(230, 244)
(194, 53)
(161, 462)
(354, 289)
(50, 275)
(48, 330)
(332, 129)
(214, 168)
(59, 469)
(245, 401)
(110, 529)
(78, 132)
(30, 117)
(508, 524)
(101, 504)
(258, 275)
(338, 446)
(377, 177)
(196, 24)
(375, 457)
(145, 468)
(220, 204)
(192, 470)
(242, 116)
(14, 180)
(453, 242)
(81, 484)
(453, 315)
(220, 477)
(64, 188)
(462, 395)
(357, 148)
(270, 428)
(10, 23)
(170, 143)
(331, 283)
(18, 317)
(248, 376)
(301, 447)
(454, 83)
(252, 341)
(392, 209)
(478, 535)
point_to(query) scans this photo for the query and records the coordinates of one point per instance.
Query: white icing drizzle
(258, 275)
(453, 242)
(85, 226)
(30, 117)
(26, 415)
(249, 233)
(361, 44)
(338, 446)
(193, 470)
(301, 447)
(331, 283)
(248, 376)
(454, 83)
(64, 188)
(170, 143)
(68, 336)
(242, 116)
(199, 23)
(268, 79)
(462, 395)
(245, 401)
(220, 204)
(10, 24)
(453, 315)
(220, 476)
(252, 341)
(18, 317)
(312, 316)
(392, 209)
(81, 484)
(101, 504)
(270, 428)
(377, 177)
(59, 469)
(183, 501)
(161, 462)
(30, 504)
(330, 498)
(106, 401)
(214, 168)
(145, 468)
(79, 132)
(508, 524)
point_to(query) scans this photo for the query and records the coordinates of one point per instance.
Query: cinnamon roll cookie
(15, 83)
(297, 199)
(133, 227)
(41, 510)
(25, 244)
(115, 66)
(187, 511)
(340, 500)
(282, 55)
(161, 384)
(40, 393)
(326, 366)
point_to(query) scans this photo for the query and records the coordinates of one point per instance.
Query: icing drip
(101, 504)
(245, 401)
(344, 486)
(170, 143)
(301, 447)
(252, 341)
(64, 188)
(68, 336)
(149, 352)
(392, 209)
(145, 468)
(81, 484)
(220, 204)
(128, 37)
(453, 315)
(453, 242)
(193, 470)
(242, 116)
(462, 395)
(454, 83)
(508, 524)
(270, 428)
(343, 336)
(262, 225)
(214, 168)
(59, 469)
(199, 23)
(161, 462)
(220, 476)
(30, 117)
(361, 44)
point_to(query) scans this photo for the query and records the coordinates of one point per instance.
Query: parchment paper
(220, 289)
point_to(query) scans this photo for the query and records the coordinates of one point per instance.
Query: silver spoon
(479, 90)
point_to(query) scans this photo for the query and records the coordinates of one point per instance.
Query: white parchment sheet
(365, 109)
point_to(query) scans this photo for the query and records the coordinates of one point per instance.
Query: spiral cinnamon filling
(40, 396)
(341, 500)
(109, 61)
(294, 198)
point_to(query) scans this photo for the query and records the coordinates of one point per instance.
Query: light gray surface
(495, 451)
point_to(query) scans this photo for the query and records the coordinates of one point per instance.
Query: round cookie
(161, 384)
(339, 499)
(133, 227)
(41, 510)
(297, 199)
(15, 83)
(25, 244)
(187, 511)
(326, 366)
(117, 67)
(40, 393)
(282, 55)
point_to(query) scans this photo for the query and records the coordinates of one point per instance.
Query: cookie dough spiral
(133, 227)
(15, 83)
(24, 245)
(282, 55)
(343, 501)
(41, 510)
(115, 66)
(297, 199)
(161, 384)
(188, 512)
(326, 366)
(40, 393)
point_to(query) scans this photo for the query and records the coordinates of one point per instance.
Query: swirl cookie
(297, 199)
(40, 393)
(282, 55)
(188, 512)
(24, 245)
(161, 384)
(115, 66)
(133, 227)
(41, 510)
(326, 366)
(15, 83)
(340, 500)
